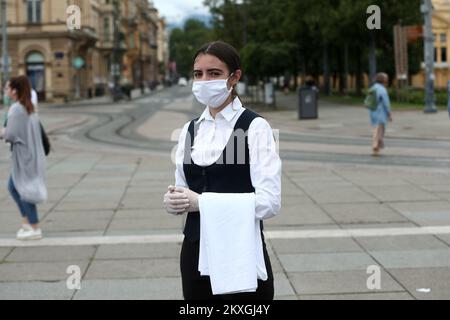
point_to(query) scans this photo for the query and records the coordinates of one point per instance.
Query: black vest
(229, 174)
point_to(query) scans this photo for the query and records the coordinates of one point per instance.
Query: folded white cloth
(231, 251)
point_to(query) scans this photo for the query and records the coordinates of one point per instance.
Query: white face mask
(211, 93)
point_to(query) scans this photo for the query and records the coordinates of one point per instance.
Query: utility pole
(116, 68)
(5, 61)
(243, 4)
(427, 10)
(372, 58)
(141, 63)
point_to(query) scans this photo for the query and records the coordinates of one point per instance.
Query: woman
(27, 181)
(200, 168)
(380, 116)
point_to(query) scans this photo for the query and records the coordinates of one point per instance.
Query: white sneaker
(29, 234)
(25, 227)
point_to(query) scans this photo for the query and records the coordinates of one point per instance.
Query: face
(10, 92)
(208, 67)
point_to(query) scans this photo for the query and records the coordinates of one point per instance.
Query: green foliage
(290, 35)
(185, 42)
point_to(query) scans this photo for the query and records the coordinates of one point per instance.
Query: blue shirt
(381, 114)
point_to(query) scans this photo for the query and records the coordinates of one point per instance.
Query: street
(345, 215)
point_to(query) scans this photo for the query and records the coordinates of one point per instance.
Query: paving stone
(133, 269)
(131, 289)
(343, 195)
(38, 271)
(282, 286)
(47, 254)
(400, 193)
(360, 296)
(340, 282)
(416, 242)
(413, 258)
(363, 213)
(138, 251)
(301, 215)
(4, 252)
(74, 225)
(318, 245)
(445, 238)
(61, 216)
(429, 218)
(92, 206)
(34, 291)
(436, 279)
(289, 298)
(326, 261)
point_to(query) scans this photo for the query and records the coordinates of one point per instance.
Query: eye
(197, 75)
(215, 74)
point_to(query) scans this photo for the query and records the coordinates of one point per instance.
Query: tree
(185, 42)
(324, 37)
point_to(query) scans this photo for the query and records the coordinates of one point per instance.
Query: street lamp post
(5, 69)
(427, 10)
(116, 69)
(141, 63)
(244, 34)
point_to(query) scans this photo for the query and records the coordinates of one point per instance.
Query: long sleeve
(12, 130)
(386, 101)
(180, 179)
(265, 169)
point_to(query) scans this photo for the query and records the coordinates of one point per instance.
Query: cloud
(176, 11)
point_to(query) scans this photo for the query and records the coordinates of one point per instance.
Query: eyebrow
(209, 70)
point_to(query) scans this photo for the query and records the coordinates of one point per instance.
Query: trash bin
(308, 102)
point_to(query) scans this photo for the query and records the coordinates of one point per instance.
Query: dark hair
(225, 53)
(23, 88)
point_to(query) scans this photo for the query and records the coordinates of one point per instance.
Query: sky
(176, 11)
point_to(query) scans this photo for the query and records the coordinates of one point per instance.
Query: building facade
(441, 32)
(65, 64)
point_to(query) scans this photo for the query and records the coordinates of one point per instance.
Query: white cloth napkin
(231, 251)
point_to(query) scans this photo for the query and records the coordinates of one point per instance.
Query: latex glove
(192, 197)
(176, 203)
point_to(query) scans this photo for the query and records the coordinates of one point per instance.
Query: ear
(236, 77)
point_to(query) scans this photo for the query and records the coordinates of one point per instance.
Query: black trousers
(196, 287)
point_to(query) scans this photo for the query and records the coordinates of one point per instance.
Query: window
(443, 54)
(34, 11)
(443, 38)
(107, 29)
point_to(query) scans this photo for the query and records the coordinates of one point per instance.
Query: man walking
(381, 112)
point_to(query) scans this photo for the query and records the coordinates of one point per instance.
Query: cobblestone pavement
(344, 212)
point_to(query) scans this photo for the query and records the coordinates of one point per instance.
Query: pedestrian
(381, 113)
(208, 186)
(27, 181)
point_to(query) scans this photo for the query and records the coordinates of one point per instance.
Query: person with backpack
(379, 105)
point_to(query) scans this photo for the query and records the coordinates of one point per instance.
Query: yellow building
(65, 64)
(441, 32)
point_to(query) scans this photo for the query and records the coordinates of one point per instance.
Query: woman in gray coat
(27, 181)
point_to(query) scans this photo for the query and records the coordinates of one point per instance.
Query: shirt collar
(228, 113)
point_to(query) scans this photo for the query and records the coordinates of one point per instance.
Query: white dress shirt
(265, 163)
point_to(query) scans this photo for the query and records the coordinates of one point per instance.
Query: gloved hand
(176, 203)
(191, 196)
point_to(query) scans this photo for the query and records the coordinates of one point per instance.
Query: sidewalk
(136, 94)
(105, 215)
